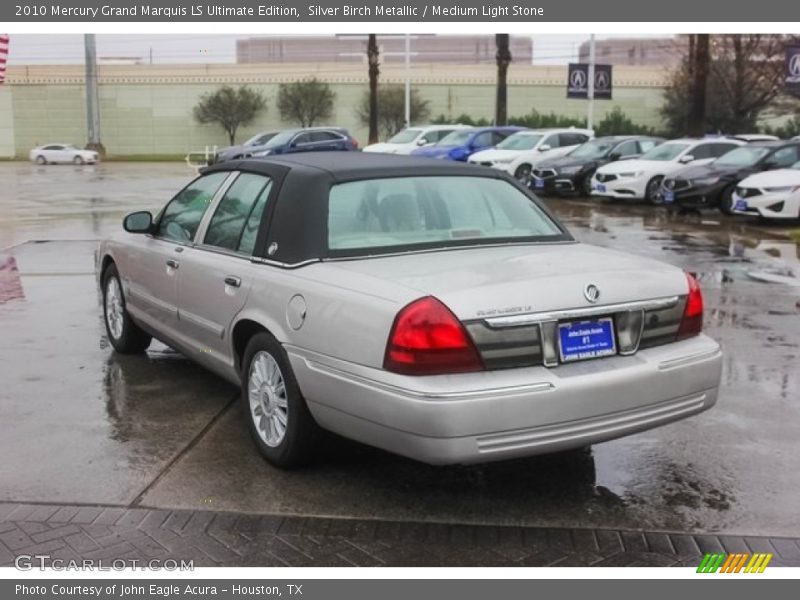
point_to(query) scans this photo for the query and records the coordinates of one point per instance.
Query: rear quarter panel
(348, 320)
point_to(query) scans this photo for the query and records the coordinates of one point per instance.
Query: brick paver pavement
(232, 539)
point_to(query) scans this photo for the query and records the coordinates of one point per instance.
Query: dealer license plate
(600, 187)
(538, 182)
(669, 197)
(582, 340)
(740, 205)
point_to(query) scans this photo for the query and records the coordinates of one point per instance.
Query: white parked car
(640, 179)
(62, 153)
(772, 194)
(518, 154)
(411, 138)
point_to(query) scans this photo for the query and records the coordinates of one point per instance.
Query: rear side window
(238, 216)
(430, 212)
(182, 216)
(324, 136)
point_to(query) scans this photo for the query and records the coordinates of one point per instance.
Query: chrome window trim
(574, 313)
(200, 234)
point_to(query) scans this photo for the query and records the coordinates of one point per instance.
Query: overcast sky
(193, 48)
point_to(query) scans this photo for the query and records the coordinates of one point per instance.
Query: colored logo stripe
(734, 563)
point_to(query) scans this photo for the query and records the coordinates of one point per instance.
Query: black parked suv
(571, 174)
(712, 185)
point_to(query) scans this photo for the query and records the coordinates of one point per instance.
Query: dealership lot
(79, 424)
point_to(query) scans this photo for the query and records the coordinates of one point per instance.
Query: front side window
(236, 221)
(425, 212)
(483, 139)
(405, 137)
(665, 152)
(742, 156)
(456, 138)
(593, 149)
(785, 156)
(520, 141)
(181, 217)
(647, 145)
(628, 148)
(552, 141)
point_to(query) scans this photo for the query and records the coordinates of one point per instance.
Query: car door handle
(173, 264)
(233, 281)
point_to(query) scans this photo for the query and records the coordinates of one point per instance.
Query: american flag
(3, 55)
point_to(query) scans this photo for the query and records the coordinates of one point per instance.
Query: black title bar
(528, 11)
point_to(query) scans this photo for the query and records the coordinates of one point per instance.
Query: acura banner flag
(578, 81)
(793, 70)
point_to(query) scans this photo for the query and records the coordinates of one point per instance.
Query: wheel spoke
(266, 389)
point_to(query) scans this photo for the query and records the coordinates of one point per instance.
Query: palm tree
(503, 58)
(374, 71)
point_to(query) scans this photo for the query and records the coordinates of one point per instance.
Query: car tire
(652, 193)
(78, 160)
(278, 418)
(125, 336)
(41, 160)
(586, 185)
(726, 200)
(523, 173)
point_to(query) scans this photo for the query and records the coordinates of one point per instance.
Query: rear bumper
(498, 415)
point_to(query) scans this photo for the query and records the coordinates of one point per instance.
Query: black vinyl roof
(298, 219)
(349, 166)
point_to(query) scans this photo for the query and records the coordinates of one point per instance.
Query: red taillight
(428, 339)
(692, 321)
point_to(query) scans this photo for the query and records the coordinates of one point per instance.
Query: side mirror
(614, 156)
(138, 222)
(422, 141)
(686, 158)
(544, 148)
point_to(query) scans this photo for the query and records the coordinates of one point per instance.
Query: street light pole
(408, 81)
(590, 89)
(92, 95)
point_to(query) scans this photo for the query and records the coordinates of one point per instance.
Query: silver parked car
(431, 308)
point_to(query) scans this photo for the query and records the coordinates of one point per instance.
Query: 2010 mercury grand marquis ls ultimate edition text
(433, 309)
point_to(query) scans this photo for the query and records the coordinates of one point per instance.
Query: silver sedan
(433, 309)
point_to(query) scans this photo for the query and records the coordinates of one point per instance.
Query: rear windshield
(430, 212)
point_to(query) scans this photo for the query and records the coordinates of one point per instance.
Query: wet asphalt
(81, 424)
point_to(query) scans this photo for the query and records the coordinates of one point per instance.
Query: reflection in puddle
(10, 282)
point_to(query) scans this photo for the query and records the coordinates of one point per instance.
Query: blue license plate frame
(586, 339)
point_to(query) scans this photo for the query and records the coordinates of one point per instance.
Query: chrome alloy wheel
(114, 308)
(266, 392)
